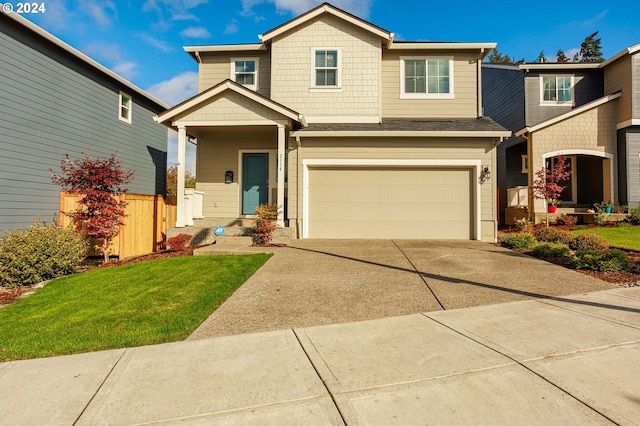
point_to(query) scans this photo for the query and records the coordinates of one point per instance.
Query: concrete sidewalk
(560, 360)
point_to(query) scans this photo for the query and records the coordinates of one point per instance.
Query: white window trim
(450, 95)
(313, 86)
(572, 102)
(232, 66)
(125, 119)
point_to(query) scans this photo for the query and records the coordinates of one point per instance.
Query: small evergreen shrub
(38, 253)
(634, 215)
(601, 261)
(590, 242)
(567, 220)
(553, 235)
(520, 240)
(551, 250)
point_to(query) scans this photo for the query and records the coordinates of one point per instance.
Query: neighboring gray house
(56, 100)
(586, 112)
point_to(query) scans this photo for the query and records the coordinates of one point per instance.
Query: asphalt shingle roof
(483, 124)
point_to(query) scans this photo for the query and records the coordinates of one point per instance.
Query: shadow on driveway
(315, 282)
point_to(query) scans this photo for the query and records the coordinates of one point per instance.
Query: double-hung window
(124, 110)
(245, 71)
(426, 78)
(556, 89)
(326, 68)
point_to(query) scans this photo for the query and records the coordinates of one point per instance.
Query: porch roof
(572, 113)
(167, 117)
(472, 127)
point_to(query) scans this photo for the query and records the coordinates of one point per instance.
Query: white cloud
(126, 69)
(158, 44)
(231, 28)
(173, 10)
(102, 11)
(172, 152)
(102, 50)
(195, 32)
(360, 8)
(572, 52)
(176, 89)
(57, 16)
(595, 19)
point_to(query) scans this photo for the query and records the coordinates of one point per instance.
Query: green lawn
(138, 304)
(624, 237)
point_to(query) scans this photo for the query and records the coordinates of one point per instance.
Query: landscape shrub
(601, 261)
(519, 240)
(553, 235)
(634, 215)
(265, 225)
(176, 243)
(590, 242)
(566, 220)
(38, 253)
(551, 250)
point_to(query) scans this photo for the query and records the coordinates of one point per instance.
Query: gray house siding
(588, 86)
(503, 95)
(52, 104)
(503, 101)
(629, 165)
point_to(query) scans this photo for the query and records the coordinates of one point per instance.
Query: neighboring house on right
(590, 113)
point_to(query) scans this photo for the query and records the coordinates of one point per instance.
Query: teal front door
(255, 176)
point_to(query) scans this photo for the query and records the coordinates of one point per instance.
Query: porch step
(205, 235)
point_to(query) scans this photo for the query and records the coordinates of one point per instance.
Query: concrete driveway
(316, 282)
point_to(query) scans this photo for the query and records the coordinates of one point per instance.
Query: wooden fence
(146, 221)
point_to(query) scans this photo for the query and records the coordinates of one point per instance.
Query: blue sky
(142, 40)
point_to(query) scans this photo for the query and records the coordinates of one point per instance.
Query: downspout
(299, 172)
(479, 83)
(531, 199)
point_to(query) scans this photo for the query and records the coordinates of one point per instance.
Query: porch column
(280, 171)
(180, 207)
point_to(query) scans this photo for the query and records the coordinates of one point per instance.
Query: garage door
(384, 202)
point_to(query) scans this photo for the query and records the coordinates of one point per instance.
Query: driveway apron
(315, 282)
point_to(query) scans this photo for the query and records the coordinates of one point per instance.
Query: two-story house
(55, 101)
(586, 112)
(354, 134)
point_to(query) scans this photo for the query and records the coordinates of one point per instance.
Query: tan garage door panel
(387, 202)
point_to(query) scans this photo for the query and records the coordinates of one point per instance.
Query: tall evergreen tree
(591, 49)
(561, 57)
(498, 58)
(541, 57)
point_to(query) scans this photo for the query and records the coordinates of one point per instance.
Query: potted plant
(607, 206)
(546, 185)
(552, 205)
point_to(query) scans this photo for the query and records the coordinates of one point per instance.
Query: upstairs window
(326, 66)
(556, 89)
(124, 112)
(426, 78)
(245, 71)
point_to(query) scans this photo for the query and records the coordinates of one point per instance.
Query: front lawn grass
(624, 237)
(145, 303)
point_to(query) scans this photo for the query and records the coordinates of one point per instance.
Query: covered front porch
(241, 158)
(586, 138)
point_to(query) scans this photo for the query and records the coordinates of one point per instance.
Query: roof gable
(198, 105)
(328, 9)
